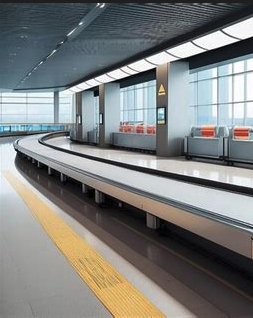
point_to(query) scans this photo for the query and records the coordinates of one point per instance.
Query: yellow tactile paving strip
(116, 293)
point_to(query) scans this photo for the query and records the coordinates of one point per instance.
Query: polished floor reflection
(36, 281)
(216, 172)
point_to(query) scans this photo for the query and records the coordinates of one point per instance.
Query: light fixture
(80, 23)
(75, 89)
(100, 5)
(71, 32)
(241, 30)
(51, 53)
(225, 36)
(214, 40)
(128, 70)
(92, 82)
(41, 62)
(186, 50)
(104, 78)
(141, 65)
(161, 58)
(83, 86)
(117, 74)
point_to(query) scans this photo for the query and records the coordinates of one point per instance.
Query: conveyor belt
(176, 176)
(201, 210)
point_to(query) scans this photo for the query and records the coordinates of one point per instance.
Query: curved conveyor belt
(164, 202)
(176, 176)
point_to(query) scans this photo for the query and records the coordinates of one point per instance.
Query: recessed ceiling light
(92, 82)
(242, 30)
(117, 74)
(128, 70)
(186, 50)
(71, 32)
(51, 53)
(104, 78)
(214, 40)
(80, 23)
(141, 65)
(161, 58)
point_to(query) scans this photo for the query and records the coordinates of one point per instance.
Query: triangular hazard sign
(161, 90)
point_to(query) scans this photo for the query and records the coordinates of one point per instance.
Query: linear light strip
(228, 35)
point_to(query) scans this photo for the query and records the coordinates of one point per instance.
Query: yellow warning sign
(161, 91)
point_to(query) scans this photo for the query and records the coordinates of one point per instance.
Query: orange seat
(139, 129)
(126, 128)
(151, 129)
(207, 131)
(241, 133)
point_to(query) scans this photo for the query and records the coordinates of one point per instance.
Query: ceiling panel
(30, 31)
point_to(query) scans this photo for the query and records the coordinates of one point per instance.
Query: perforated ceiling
(120, 32)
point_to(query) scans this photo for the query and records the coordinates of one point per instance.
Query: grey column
(88, 114)
(173, 94)
(56, 107)
(109, 107)
(78, 130)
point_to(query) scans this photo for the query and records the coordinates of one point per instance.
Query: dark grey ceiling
(30, 31)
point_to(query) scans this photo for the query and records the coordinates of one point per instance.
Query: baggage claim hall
(126, 160)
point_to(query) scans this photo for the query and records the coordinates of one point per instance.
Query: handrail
(14, 129)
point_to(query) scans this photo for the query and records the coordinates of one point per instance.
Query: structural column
(173, 103)
(76, 133)
(109, 112)
(56, 107)
(88, 114)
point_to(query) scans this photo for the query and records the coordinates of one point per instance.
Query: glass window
(239, 67)
(193, 115)
(193, 77)
(207, 92)
(233, 97)
(225, 89)
(66, 106)
(139, 98)
(225, 70)
(38, 109)
(225, 114)
(12, 109)
(138, 103)
(45, 118)
(238, 88)
(249, 79)
(239, 114)
(249, 64)
(193, 94)
(17, 118)
(249, 115)
(207, 115)
(207, 74)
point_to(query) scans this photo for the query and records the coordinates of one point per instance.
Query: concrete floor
(37, 281)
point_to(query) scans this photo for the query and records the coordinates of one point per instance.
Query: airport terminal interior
(126, 160)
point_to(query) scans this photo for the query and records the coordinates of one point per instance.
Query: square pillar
(77, 133)
(109, 112)
(56, 107)
(88, 114)
(172, 95)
